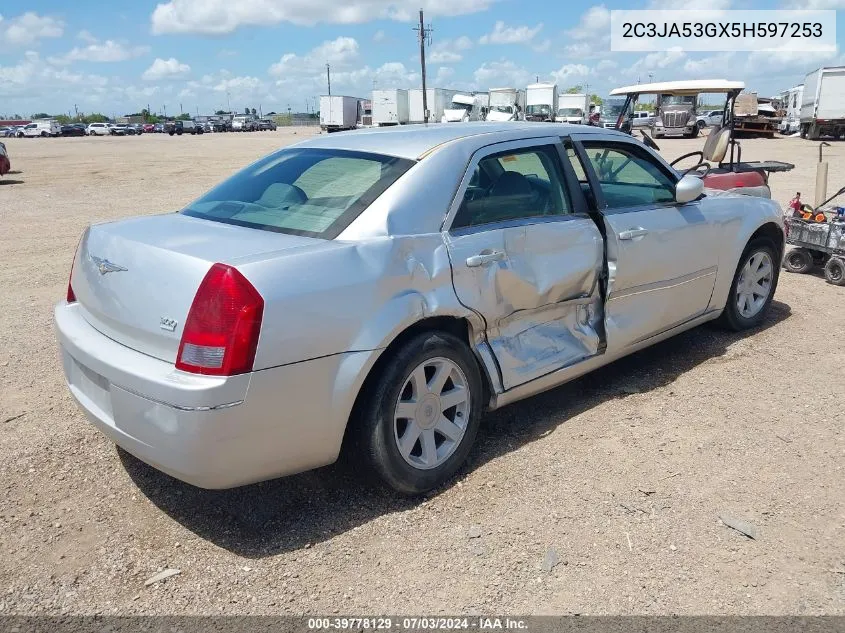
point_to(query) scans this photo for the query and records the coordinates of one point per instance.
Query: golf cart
(750, 178)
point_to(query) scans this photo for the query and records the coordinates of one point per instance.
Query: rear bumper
(211, 432)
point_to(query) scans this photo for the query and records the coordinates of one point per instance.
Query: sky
(199, 56)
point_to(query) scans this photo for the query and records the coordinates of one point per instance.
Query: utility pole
(228, 103)
(329, 78)
(165, 110)
(76, 110)
(181, 111)
(424, 35)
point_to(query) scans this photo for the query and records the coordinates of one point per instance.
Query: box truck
(541, 102)
(465, 108)
(339, 112)
(438, 99)
(573, 108)
(390, 107)
(506, 104)
(823, 103)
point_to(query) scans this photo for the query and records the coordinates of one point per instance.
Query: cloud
(224, 16)
(340, 53)
(379, 36)
(671, 5)
(447, 51)
(108, 51)
(510, 34)
(595, 22)
(34, 78)
(166, 69)
(543, 47)
(814, 4)
(27, 29)
(444, 75)
(86, 36)
(566, 73)
(502, 73)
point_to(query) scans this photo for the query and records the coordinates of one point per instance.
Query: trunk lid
(135, 279)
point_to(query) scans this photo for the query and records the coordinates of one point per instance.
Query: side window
(627, 177)
(523, 183)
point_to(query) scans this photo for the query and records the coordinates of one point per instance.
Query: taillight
(221, 332)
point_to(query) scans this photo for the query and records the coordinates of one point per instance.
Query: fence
(283, 120)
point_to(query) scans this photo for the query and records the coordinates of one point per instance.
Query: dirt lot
(623, 473)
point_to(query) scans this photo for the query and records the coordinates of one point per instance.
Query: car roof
(415, 141)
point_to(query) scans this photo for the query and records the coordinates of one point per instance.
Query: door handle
(630, 234)
(483, 259)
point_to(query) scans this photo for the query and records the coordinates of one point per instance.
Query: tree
(254, 112)
(596, 100)
(95, 117)
(62, 119)
(183, 117)
(220, 112)
(40, 115)
(574, 90)
(145, 114)
(246, 111)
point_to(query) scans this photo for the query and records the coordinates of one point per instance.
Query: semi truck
(506, 104)
(390, 107)
(339, 112)
(437, 100)
(541, 102)
(573, 108)
(823, 103)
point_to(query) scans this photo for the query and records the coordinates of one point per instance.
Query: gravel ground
(599, 497)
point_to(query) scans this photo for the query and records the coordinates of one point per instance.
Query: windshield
(612, 110)
(570, 112)
(503, 108)
(311, 192)
(462, 106)
(538, 109)
(677, 100)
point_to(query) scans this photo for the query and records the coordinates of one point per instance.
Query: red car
(148, 127)
(5, 165)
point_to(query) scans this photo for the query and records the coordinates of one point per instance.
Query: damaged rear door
(527, 258)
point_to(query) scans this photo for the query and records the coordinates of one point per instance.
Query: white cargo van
(43, 127)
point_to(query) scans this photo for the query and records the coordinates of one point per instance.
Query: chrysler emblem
(105, 266)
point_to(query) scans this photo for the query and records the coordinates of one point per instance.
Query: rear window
(310, 192)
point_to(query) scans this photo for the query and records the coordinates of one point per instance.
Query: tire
(834, 271)
(44, 135)
(700, 125)
(798, 260)
(171, 133)
(739, 318)
(804, 129)
(378, 430)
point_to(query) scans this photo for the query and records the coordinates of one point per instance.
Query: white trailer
(390, 107)
(438, 99)
(541, 102)
(506, 104)
(339, 112)
(823, 103)
(573, 108)
(465, 108)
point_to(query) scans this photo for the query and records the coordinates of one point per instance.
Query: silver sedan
(377, 291)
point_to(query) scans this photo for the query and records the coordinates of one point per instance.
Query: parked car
(221, 126)
(98, 129)
(5, 163)
(148, 128)
(122, 129)
(243, 123)
(158, 128)
(184, 127)
(73, 129)
(266, 124)
(265, 275)
(46, 128)
(642, 118)
(713, 118)
(138, 127)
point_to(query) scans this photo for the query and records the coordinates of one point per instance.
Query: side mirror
(688, 189)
